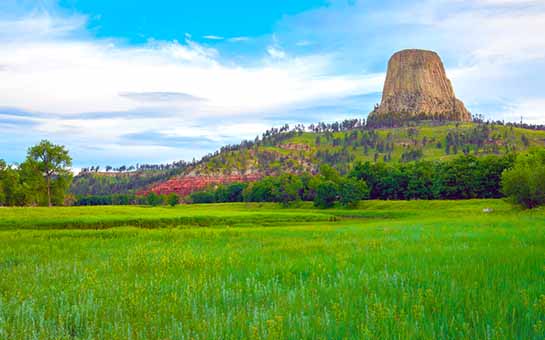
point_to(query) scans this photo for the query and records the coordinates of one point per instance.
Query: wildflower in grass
(538, 327)
(275, 328)
(418, 311)
(254, 333)
(525, 298)
(430, 300)
(364, 331)
(541, 304)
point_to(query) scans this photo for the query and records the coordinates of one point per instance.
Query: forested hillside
(303, 149)
(342, 144)
(121, 181)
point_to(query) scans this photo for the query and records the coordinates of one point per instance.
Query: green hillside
(106, 183)
(299, 150)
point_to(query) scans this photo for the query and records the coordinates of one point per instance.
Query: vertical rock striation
(417, 85)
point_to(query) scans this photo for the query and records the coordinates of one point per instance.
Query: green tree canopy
(173, 199)
(153, 199)
(287, 188)
(351, 191)
(53, 163)
(326, 194)
(3, 168)
(524, 183)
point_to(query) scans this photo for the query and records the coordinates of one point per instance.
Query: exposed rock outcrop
(417, 85)
(186, 185)
(295, 147)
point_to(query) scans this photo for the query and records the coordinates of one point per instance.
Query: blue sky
(125, 82)
(169, 20)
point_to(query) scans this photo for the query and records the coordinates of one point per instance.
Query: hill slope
(341, 145)
(107, 183)
(297, 151)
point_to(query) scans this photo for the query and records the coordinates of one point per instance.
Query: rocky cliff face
(417, 84)
(183, 186)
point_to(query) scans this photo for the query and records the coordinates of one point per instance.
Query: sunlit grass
(390, 270)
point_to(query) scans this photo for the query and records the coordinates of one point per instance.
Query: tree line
(325, 189)
(138, 167)
(44, 177)
(465, 177)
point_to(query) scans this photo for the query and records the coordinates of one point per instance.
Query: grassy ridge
(415, 270)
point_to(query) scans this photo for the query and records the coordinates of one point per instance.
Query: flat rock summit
(417, 84)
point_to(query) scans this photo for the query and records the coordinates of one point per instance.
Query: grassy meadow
(387, 270)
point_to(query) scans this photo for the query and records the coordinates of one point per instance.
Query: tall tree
(51, 161)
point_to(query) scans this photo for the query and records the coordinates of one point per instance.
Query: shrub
(261, 191)
(173, 199)
(287, 188)
(230, 192)
(351, 191)
(153, 199)
(202, 197)
(326, 194)
(524, 183)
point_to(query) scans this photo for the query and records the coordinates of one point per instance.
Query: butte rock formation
(417, 85)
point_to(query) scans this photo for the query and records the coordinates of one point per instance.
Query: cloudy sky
(125, 82)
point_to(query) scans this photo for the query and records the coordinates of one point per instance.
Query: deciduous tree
(524, 182)
(53, 163)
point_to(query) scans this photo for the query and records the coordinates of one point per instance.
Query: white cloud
(40, 26)
(303, 43)
(531, 110)
(74, 81)
(496, 48)
(213, 37)
(493, 49)
(239, 39)
(497, 31)
(158, 97)
(70, 76)
(276, 52)
(49, 64)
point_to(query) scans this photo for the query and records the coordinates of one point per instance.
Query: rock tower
(417, 85)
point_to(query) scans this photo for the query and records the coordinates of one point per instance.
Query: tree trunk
(49, 191)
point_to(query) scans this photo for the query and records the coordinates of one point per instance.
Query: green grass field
(388, 270)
